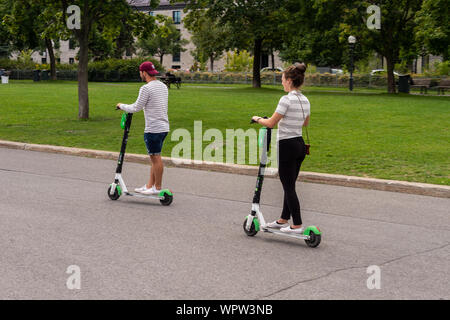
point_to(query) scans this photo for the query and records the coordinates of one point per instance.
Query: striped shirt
(153, 99)
(290, 126)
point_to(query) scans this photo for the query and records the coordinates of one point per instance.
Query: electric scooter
(255, 221)
(118, 187)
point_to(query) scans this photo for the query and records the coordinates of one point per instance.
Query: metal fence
(267, 78)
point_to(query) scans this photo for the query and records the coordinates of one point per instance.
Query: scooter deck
(278, 232)
(147, 196)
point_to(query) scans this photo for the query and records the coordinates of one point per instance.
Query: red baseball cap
(148, 67)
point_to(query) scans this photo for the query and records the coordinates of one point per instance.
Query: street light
(351, 43)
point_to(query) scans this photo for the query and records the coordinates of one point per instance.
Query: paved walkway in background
(54, 212)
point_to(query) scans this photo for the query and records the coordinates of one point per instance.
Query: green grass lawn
(365, 133)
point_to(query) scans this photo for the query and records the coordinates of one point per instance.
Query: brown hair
(296, 73)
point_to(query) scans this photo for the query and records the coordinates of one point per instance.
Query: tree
(208, 36)
(124, 41)
(394, 40)
(50, 28)
(312, 33)
(5, 36)
(35, 24)
(165, 40)
(93, 14)
(433, 28)
(251, 22)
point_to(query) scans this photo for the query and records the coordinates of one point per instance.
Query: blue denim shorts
(154, 142)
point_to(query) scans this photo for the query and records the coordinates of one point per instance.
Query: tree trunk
(211, 59)
(51, 53)
(273, 61)
(257, 64)
(83, 95)
(161, 59)
(390, 74)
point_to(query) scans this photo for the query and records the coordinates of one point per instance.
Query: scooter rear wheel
(314, 239)
(252, 232)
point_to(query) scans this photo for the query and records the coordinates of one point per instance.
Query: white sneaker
(151, 191)
(142, 189)
(276, 225)
(288, 229)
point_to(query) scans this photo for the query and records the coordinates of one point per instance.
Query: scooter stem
(126, 131)
(263, 163)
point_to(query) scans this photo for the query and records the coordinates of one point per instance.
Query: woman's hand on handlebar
(270, 122)
(255, 119)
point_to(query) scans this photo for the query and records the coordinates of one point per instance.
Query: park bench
(169, 79)
(443, 85)
(423, 84)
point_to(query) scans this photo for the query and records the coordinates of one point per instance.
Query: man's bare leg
(151, 181)
(156, 172)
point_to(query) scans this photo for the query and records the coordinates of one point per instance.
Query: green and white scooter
(118, 187)
(255, 221)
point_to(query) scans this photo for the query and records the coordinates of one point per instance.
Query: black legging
(291, 153)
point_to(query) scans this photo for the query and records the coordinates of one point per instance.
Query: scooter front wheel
(115, 195)
(167, 200)
(252, 232)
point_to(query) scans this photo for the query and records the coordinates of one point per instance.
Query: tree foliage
(208, 35)
(394, 41)
(312, 33)
(433, 28)
(104, 16)
(166, 39)
(251, 23)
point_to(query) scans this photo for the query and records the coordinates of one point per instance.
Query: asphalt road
(55, 213)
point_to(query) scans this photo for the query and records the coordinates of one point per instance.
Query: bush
(107, 70)
(312, 79)
(206, 76)
(17, 64)
(239, 62)
(343, 80)
(442, 68)
(119, 69)
(378, 81)
(327, 79)
(66, 66)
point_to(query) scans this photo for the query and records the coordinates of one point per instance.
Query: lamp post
(351, 43)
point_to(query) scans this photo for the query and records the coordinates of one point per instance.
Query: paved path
(54, 212)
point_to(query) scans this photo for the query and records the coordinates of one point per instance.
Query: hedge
(118, 70)
(274, 78)
(102, 71)
(315, 79)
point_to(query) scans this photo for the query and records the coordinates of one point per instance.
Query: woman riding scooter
(291, 115)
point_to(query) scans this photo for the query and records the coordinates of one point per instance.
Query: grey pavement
(54, 213)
